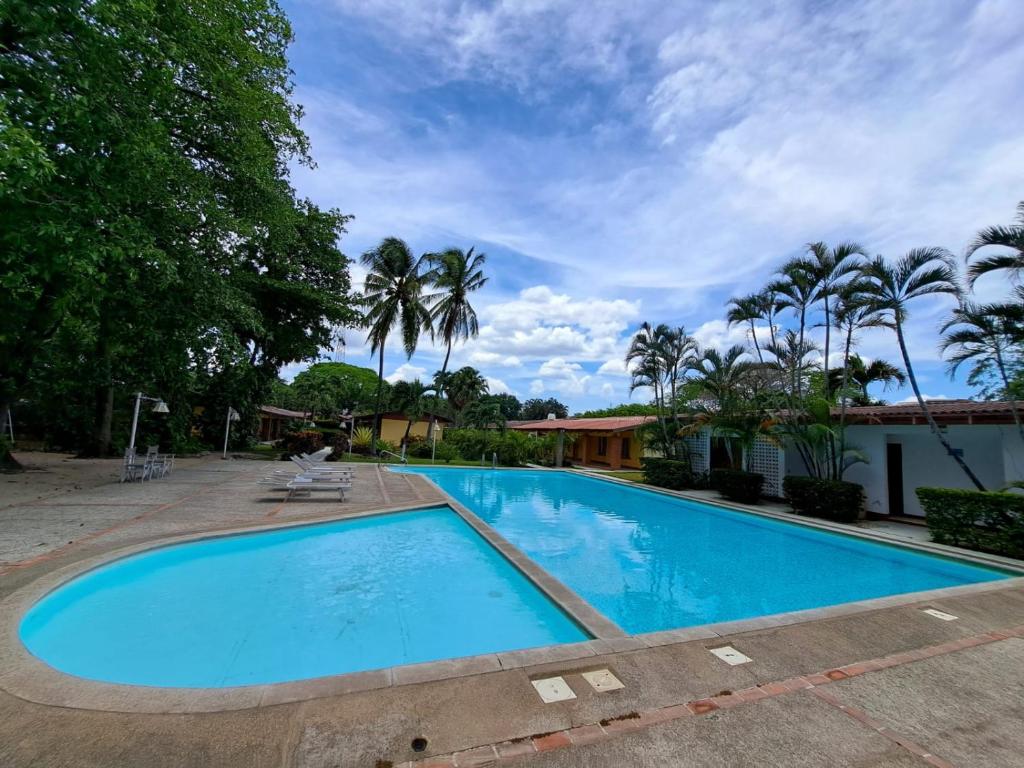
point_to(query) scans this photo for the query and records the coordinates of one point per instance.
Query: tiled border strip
(582, 612)
(590, 733)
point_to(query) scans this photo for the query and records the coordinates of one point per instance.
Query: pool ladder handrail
(401, 459)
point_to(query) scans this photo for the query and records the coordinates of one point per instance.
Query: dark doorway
(894, 473)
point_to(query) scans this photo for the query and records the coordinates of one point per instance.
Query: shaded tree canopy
(150, 238)
(536, 409)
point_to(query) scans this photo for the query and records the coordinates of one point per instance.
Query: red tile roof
(944, 412)
(273, 410)
(603, 424)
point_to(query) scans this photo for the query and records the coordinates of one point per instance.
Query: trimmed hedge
(737, 485)
(984, 520)
(667, 473)
(835, 500)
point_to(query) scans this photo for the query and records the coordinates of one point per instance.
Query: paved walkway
(892, 687)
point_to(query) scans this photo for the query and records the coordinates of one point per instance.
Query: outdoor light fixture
(159, 407)
(433, 448)
(232, 416)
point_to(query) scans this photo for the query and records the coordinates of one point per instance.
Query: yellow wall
(393, 430)
(585, 449)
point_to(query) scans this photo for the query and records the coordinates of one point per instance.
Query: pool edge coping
(29, 678)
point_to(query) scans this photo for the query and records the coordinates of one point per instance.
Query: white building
(904, 455)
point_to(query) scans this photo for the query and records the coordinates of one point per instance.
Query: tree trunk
(440, 390)
(376, 407)
(7, 460)
(842, 402)
(1006, 387)
(927, 413)
(753, 335)
(104, 419)
(828, 337)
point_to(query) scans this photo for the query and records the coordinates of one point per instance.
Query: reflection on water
(651, 562)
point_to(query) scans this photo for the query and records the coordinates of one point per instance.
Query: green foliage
(983, 520)
(151, 239)
(514, 448)
(306, 441)
(509, 405)
(536, 409)
(671, 474)
(623, 409)
(326, 389)
(362, 439)
(445, 452)
(835, 500)
(737, 485)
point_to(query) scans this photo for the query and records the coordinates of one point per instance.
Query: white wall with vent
(699, 446)
(769, 459)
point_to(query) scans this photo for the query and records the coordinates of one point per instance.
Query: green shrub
(984, 520)
(307, 441)
(737, 485)
(513, 448)
(446, 452)
(667, 473)
(362, 437)
(835, 500)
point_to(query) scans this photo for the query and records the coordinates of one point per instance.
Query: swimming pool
(650, 562)
(295, 603)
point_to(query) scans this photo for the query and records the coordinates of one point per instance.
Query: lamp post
(347, 415)
(433, 448)
(159, 407)
(232, 416)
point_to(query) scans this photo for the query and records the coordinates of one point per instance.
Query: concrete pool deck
(950, 690)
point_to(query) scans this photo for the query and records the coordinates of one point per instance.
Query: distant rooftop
(944, 412)
(602, 424)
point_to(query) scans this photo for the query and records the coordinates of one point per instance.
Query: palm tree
(409, 399)
(455, 274)
(679, 353)
(921, 272)
(1011, 237)
(790, 353)
(747, 309)
(393, 296)
(725, 380)
(796, 289)
(463, 386)
(980, 334)
(831, 268)
(648, 370)
(863, 375)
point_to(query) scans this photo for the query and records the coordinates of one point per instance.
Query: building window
(602, 446)
(625, 448)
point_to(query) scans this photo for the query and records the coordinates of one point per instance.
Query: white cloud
(497, 386)
(406, 372)
(536, 386)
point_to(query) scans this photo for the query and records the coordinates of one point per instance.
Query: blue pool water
(295, 603)
(650, 562)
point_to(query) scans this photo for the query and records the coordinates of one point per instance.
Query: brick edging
(590, 733)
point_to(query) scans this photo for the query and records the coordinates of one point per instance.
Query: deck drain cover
(730, 655)
(940, 614)
(553, 689)
(602, 680)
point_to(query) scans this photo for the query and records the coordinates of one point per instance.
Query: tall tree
(919, 273)
(747, 309)
(1010, 237)
(464, 386)
(647, 369)
(830, 268)
(147, 208)
(796, 289)
(536, 409)
(393, 297)
(455, 275)
(982, 335)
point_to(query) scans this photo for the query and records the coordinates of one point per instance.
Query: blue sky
(621, 162)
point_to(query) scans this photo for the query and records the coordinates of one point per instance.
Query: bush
(835, 500)
(737, 485)
(362, 437)
(513, 448)
(446, 452)
(307, 441)
(667, 473)
(984, 520)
